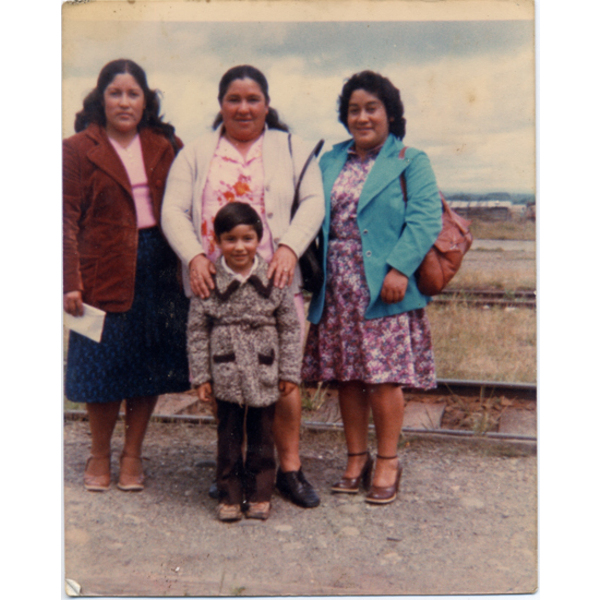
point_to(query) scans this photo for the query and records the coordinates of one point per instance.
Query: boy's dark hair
(234, 214)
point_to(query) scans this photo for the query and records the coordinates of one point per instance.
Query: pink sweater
(133, 161)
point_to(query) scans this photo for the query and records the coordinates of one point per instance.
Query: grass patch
(503, 230)
(313, 399)
(238, 591)
(493, 345)
(68, 405)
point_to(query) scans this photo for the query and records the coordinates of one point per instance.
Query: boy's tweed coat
(244, 338)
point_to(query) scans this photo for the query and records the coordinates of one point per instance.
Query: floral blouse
(231, 178)
(345, 194)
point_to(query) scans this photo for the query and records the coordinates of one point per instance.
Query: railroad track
(461, 406)
(468, 388)
(448, 391)
(489, 297)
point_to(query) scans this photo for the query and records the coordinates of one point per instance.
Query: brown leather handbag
(443, 260)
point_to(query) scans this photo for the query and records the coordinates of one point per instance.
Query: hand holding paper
(73, 303)
(90, 324)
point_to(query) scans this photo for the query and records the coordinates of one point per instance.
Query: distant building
(494, 206)
(502, 196)
(530, 211)
(494, 210)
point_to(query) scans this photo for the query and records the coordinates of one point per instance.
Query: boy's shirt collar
(241, 278)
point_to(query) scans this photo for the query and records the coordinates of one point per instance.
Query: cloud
(462, 111)
(468, 87)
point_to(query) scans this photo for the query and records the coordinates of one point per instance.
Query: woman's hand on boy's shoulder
(286, 387)
(201, 276)
(282, 267)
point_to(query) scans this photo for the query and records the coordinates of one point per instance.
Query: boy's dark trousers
(253, 480)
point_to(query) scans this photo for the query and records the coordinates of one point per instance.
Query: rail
(445, 387)
(488, 297)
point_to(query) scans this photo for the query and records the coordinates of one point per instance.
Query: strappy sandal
(351, 485)
(131, 475)
(385, 495)
(97, 482)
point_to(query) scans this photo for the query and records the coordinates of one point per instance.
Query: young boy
(244, 351)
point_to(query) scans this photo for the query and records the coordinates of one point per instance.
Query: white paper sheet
(90, 324)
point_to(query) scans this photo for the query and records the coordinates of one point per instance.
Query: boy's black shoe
(295, 486)
(213, 491)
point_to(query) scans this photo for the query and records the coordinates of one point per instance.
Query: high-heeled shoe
(97, 482)
(385, 495)
(351, 485)
(131, 476)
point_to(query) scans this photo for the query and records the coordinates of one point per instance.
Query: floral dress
(345, 346)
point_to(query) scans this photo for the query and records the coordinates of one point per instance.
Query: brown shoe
(258, 510)
(229, 512)
(351, 485)
(96, 477)
(385, 495)
(131, 476)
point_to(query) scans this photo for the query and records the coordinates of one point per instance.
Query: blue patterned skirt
(142, 351)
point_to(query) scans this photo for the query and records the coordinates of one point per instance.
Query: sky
(468, 87)
(568, 46)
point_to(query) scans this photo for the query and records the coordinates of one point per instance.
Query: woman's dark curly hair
(93, 104)
(381, 87)
(249, 72)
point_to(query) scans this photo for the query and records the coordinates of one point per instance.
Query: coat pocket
(267, 359)
(225, 376)
(268, 371)
(224, 358)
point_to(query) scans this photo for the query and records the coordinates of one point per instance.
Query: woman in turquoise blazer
(369, 332)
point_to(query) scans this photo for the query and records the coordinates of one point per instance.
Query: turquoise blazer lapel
(332, 163)
(386, 169)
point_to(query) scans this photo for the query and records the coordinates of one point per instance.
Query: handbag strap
(314, 153)
(401, 156)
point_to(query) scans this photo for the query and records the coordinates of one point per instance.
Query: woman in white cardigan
(250, 157)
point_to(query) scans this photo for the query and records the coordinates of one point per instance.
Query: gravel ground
(465, 523)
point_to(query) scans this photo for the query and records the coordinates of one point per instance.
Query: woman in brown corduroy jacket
(116, 259)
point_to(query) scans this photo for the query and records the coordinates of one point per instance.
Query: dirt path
(465, 524)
